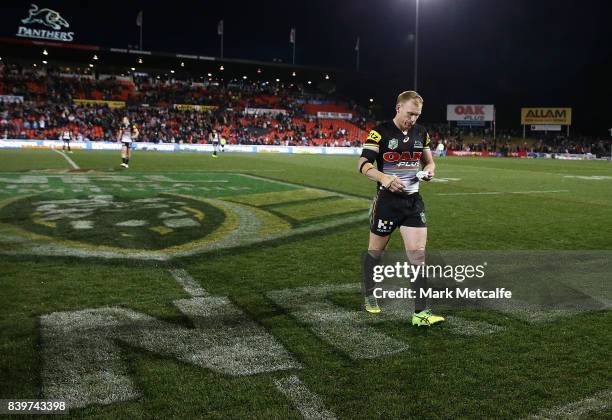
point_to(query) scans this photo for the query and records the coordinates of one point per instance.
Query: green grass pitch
(92, 303)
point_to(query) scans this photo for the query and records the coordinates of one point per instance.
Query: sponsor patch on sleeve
(374, 136)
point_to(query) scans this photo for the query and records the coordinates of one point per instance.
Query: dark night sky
(511, 53)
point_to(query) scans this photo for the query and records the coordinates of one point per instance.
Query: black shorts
(127, 144)
(390, 211)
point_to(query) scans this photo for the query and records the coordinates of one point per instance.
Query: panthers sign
(44, 23)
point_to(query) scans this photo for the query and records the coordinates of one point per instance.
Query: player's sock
(127, 160)
(372, 258)
(419, 285)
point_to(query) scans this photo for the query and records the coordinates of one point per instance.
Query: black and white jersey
(127, 133)
(396, 152)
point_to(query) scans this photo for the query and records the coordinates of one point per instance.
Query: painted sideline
(70, 161)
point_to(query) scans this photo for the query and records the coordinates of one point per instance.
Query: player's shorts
(390, 211)
(66, 140)
(127, 144)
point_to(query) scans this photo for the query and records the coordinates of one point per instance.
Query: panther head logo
(46, 17)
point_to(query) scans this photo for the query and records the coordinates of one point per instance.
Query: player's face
(125, 121)
(408, 113)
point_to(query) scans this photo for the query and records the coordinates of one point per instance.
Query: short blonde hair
(409, 95)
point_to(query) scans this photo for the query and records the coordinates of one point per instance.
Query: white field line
(244, 170)
(589, 407)
(304, 400)
(187, 282)
(335, 193)
(70, 161)
(505, 192)
(474, 168)
(128, 178)
(192, 181)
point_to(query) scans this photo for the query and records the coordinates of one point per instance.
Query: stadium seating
(49, 107)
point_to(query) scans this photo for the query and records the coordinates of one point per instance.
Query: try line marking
(70, 161)
(504, 192)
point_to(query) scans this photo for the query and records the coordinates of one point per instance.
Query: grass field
(191, 287)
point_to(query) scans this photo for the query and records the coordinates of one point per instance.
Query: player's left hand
(425, 175)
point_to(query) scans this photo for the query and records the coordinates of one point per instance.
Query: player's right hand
(392, 183)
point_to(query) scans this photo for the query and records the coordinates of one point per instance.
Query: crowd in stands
(48, 108)
(166, 110)
(480, 139)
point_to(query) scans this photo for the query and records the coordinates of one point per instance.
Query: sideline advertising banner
(546, 116)
(178, 147)
(191, 107)
(335, 115)
(110, 104)
(11, 99)
(470, 112)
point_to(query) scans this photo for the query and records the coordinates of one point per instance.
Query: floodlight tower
(416, 46)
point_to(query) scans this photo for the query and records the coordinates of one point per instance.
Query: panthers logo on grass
(110, 221)
(158, 217)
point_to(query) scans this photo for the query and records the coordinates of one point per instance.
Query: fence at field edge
(245, 148)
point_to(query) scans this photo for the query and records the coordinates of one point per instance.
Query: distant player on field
(392, 156)
(66, 136)
(214, 139)
(127, 134)
(440, 149)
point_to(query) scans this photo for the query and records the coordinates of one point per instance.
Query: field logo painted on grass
(353, 331)
(159, 217)
(83, 364)
(116, 221)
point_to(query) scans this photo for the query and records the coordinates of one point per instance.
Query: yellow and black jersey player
(397, 156)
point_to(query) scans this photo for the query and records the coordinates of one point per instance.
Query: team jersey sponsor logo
(402, 157)
(406, 139)
(374, 136)
(418, 143)
(393, 144)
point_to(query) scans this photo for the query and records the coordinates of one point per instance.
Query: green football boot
(371, 305)
(426, 318)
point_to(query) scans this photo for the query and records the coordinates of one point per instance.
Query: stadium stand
(49, 107)
(254, 112)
